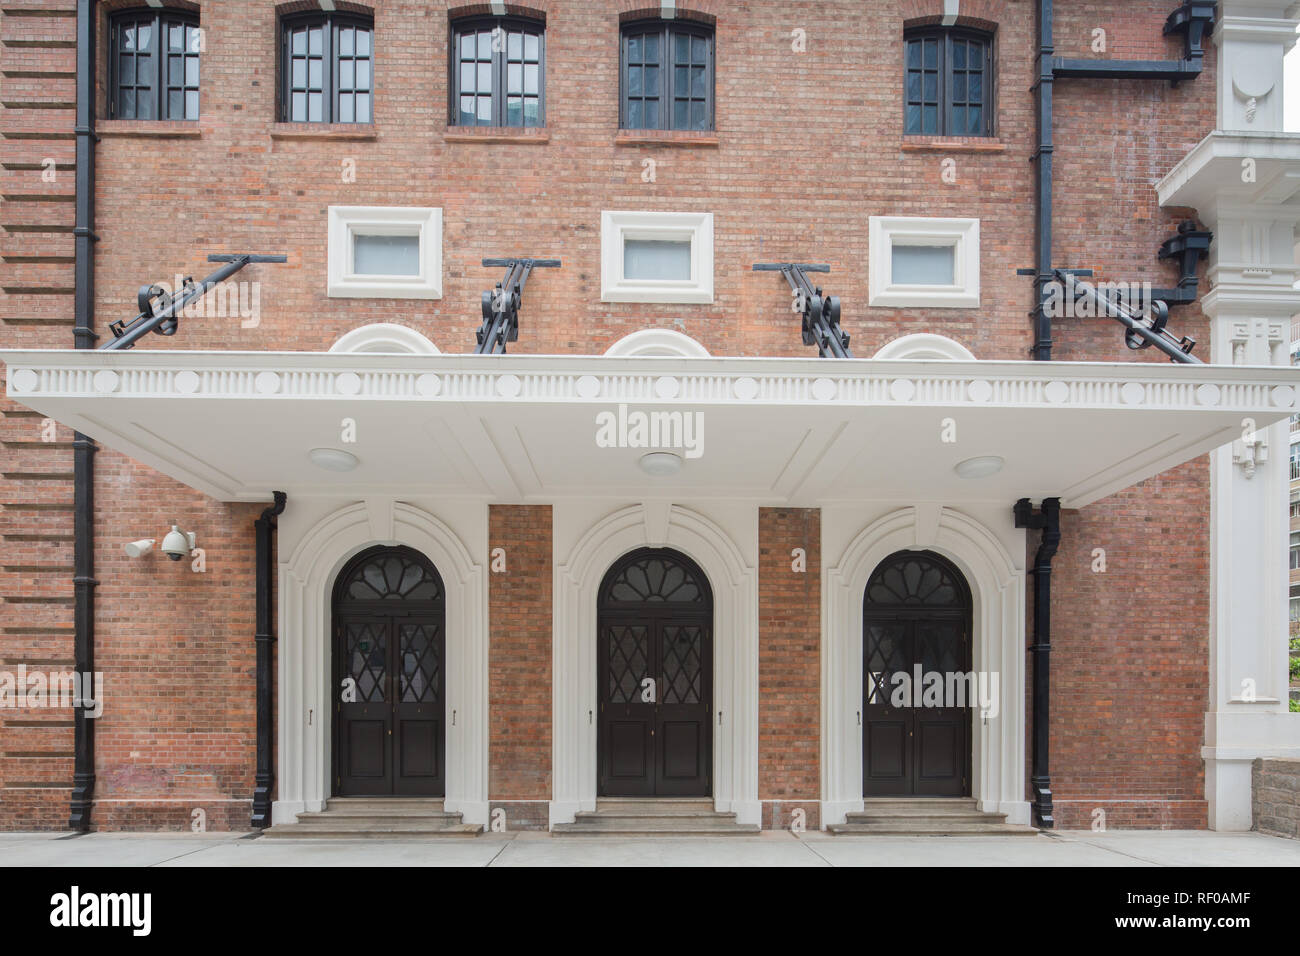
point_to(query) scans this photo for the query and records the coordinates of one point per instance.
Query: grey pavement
(772, 848)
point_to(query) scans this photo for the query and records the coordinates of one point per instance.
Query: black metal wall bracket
(1140, 332)
(501, 305)
(1187, 249)
(160, 310)
(821, 312)
(1193, 20)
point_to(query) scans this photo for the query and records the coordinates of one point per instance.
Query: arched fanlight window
(916, 580)
(390, 575)
(655, 577)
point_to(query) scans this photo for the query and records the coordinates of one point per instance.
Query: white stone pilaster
(1244, 182)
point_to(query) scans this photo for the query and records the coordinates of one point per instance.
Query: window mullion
(665, 79)
(499, 69)
(330, 73)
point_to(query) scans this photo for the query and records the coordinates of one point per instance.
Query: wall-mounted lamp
(138, 549)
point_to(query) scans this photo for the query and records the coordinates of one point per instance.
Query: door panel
(627, 722)
(366, 723)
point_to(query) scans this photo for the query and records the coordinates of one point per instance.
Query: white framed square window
(385, 252)
(656, 257)
(924, 262)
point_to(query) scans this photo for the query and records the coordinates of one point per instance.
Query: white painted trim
(619, 225)
(384, 337)
(925, 346)
(346, 222)
(658, 343)
(306, 579)
(951, 11)
(997, 582)
(962, 234)
(734, 579)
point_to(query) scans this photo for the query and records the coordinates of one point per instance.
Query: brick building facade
(483, 465)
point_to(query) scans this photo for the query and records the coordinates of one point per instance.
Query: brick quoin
(807, 147)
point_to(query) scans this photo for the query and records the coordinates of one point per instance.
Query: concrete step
(379, 832)
(664, 806)
(640, 816)
(642, 830)
(367, 818)
(936, 829)
(362, 816)
(926, 816)
(918, 818)
(434, 804)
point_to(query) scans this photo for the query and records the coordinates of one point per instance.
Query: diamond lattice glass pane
(683, 667)
(420, 663)
(628, 662)
(367, 657)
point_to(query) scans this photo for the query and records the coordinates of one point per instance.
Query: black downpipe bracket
(1192, 20)
(264, 779)
(83, 449)
(1047, 520)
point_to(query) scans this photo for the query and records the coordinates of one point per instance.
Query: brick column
(789, 665)
(519, 664)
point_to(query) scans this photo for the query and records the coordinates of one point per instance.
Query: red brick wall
(36, 280)
(1130, 657)
(519, 682)
(789, 666)
(808, 146)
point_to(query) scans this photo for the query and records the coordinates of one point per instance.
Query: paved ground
(772, 848)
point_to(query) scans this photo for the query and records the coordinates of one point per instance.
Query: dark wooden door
(916, 621)
(389, 645)
(655, 668)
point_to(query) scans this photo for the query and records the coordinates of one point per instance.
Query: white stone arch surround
(658, 342)
(997, 583)
(734, 581)
(926, 345)
(306, 582)
(384, 337)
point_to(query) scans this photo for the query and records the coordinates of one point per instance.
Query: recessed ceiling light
(979, 467)
(333, 459)
(661, 464)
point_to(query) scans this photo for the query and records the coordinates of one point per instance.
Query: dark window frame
(330, 23)
(666, 30)
(159, 19)
(944, 37)
(500, 70)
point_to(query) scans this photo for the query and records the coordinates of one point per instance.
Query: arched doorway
(655, 673)
(389, 640)
(916, 622)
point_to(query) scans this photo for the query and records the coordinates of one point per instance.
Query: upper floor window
(325, 68)
(499, 67)
(948, 83)
(667, 76)
(153, 68)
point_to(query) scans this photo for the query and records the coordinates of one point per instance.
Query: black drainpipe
(1048, 520)
(1192, 20)
(264, 779)
(83, 462)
